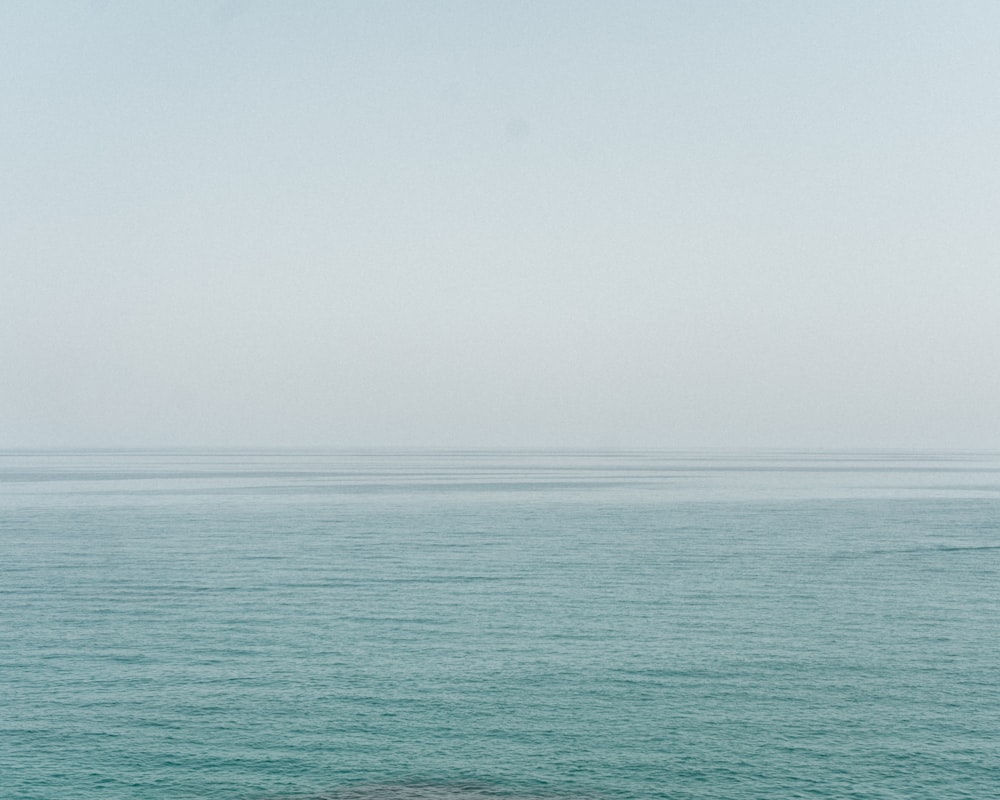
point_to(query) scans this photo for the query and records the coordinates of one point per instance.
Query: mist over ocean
(413, 624)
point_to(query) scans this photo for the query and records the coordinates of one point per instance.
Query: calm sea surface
(256, 625)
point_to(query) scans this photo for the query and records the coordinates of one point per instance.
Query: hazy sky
(638, 224)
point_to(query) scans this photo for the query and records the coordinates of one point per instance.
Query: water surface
(403, 625)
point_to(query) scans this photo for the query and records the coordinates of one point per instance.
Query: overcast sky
(633, 224)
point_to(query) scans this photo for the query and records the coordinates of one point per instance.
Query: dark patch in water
(424, 791)
(909, 551)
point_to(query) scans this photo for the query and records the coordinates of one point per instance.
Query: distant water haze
(640, 224)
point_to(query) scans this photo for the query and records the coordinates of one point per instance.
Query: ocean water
(367, 626)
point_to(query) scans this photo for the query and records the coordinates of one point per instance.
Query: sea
(480, 625)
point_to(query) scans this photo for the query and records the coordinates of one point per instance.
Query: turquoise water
(256, 625)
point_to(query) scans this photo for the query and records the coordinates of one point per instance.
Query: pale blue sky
(652, 224)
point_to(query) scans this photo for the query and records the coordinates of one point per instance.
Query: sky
(500, 224)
